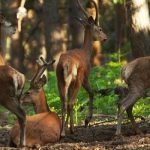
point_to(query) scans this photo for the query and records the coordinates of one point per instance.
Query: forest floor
(98, 136)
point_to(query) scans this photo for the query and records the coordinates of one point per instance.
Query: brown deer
(12, 80)
(43, 127)
(136, 74)
(74, 67)
(12, 83)
(6, 29)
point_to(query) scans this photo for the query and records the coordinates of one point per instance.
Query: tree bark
(120, 26)
(140, 27)
(75, 28)
(54, 31)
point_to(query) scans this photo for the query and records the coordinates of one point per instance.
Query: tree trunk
(17, 52)
(75, 28)
(120, 26)
(140, 27)
(54, 31)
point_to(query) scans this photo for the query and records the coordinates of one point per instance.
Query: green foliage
(100, 78)
(107, 76)
(52, 94)
(104, 77)
(118, 1)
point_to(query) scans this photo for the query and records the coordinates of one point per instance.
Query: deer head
(37, 82)
(89, 22)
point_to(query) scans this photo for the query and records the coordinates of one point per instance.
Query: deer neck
(42, 106)
(88, 40)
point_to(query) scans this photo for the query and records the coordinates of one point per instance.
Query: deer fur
(74, 67)
(136, 74)
(43, 127)
(12, 83)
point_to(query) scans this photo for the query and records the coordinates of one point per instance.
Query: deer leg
(21, 120)
(123, 105)
(87, 87)
(15, 108)
(64, 110)
(72, 93)
(64, 107)
(131, 117)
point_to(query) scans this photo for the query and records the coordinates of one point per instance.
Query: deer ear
(91, 20)
(42, 81)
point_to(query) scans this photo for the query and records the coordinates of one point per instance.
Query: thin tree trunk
(75, 28)
(140, 27)
(120, 26)
(54, 32)
(17, 52)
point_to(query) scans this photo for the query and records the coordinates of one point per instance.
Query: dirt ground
(99, 136)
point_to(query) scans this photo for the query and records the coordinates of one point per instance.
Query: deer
(73, 69)
(43, 127)
(136, 75)
(12, 83)
(7, 29)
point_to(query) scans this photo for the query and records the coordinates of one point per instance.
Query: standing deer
(137, 76)
(43, 127)
(74, 67)
(11, 85)
(6, 29)
(11, 82)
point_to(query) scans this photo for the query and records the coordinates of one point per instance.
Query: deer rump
(41, 129)
(69, 65)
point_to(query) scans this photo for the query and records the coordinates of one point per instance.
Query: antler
(97, 16)
(82, 9)
(42, 65)
(86, 14)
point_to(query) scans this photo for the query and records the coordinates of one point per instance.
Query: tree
(140, 27)
(75, 28)
(120, 25)
(54, 31)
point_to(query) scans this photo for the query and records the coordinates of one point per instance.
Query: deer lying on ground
(137, 76)
(12, 83)
(6, 29)
(74, 67)
(43, 127)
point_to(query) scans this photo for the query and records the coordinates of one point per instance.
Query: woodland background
(50, 27)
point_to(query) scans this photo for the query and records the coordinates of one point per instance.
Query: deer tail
(70, 72)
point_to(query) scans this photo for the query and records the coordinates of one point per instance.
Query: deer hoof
(86, 123)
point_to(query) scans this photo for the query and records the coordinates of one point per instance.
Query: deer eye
(100, 29)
